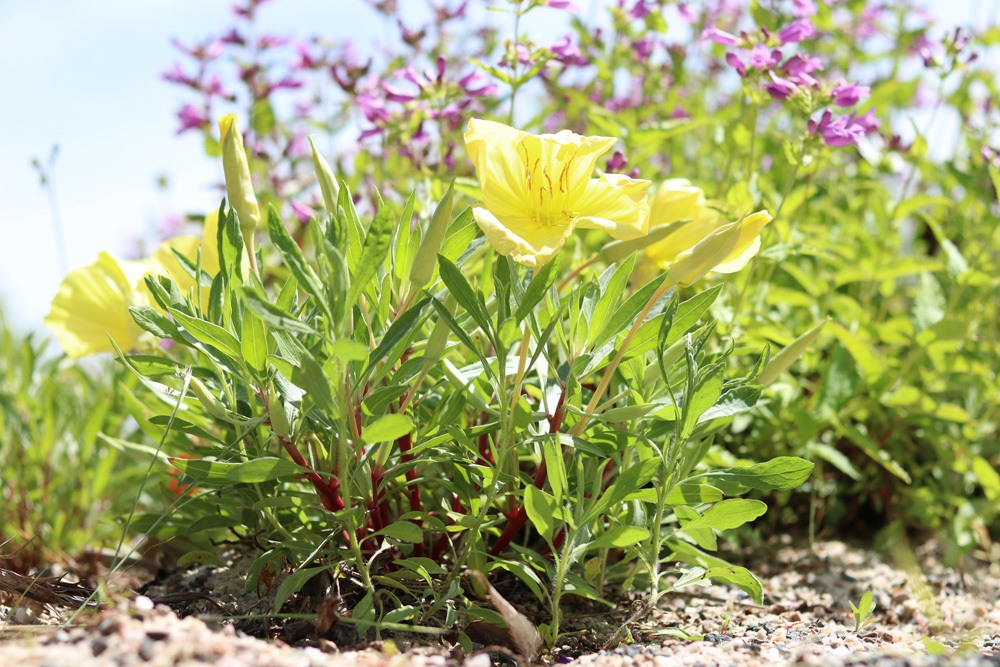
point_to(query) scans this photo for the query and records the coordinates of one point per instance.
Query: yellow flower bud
(726, 249)
(239, 188)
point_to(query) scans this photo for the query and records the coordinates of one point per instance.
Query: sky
(85, 74)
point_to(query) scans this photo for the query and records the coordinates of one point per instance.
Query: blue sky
(85, 74)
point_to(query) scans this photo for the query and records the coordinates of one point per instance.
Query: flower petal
(526, 242)
(92, 304)
(675, 199)
(617, 204)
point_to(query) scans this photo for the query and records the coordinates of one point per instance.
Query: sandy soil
(925, 614)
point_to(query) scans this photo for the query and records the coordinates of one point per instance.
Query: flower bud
(277, 415)
(725, 250)
(239, 188)
(208, 400)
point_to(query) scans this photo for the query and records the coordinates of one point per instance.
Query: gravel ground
(806, 619)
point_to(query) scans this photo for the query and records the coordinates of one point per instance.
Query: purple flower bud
(713, 34)
(849, 94)
(177, 75)
(778, 88)
(442, 64)
(796, 31)
(736, 63)
(562, 4)
(616, 163)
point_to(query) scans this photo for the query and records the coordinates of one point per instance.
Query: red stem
(328, 493)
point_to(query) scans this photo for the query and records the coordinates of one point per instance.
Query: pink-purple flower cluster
(759, 57)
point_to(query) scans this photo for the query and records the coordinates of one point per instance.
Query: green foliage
(63, 479)
(497, 419)
(863, 611)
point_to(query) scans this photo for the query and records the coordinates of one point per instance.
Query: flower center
(547, 181)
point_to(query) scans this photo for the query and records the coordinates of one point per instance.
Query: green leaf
(387, 429)
(702, 398)
(873, 449)
(778, 474)
(539, 285)
(541, 511)
(689, 312)
(253, 342)
(619, 536)
(929, 305)
(294, 582)
(404, 531)
(631, 479)
(373, 252)
(739, 577)
(612, 289)
(229, 238)
(149, 319)
(782, 360)
(262, 470)
(209, 333)
(460, 289)
(727, 514)
(273, 313)
(293, 258)
(404, 328)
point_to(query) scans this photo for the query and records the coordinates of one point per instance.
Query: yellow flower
(92, 305)
(165, 263)
(538, 188)
(701, 239)
(93, 301)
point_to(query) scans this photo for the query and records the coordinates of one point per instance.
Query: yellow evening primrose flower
(538, 188)
(702, 239)
(92, 305)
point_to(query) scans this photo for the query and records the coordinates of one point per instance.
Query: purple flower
(395, 94)
(567, 52)
(796, 31)
(713, 34)
(849, 94)
(868, 23)
(799, 68)
(762, 58)
(640, 9)
(778, 88)
(192, 118)
(803, 8)
(845, 130)
(736, 63)
(643, 48)
(562, 4)
(687, 14)
(176, 75)
(302, 212)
